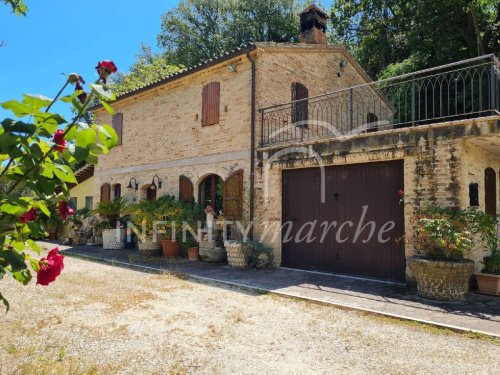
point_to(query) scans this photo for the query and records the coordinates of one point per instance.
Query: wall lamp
(153, 185)
(135, 186)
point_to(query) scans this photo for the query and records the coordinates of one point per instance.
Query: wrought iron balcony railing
(461, 90)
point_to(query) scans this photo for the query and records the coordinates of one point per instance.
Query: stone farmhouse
(298, 133)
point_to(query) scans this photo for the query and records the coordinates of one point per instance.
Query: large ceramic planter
(442, 280)
(193, 253)
(148, 247)
(488, 283)
(235, 256)
(170, 249)
(113, 239)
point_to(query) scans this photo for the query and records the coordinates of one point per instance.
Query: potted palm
(145, 216)
(488, 280)
(442, 240)
(113, 232)
(170, 213)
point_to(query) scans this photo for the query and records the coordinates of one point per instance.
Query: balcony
(461, 90)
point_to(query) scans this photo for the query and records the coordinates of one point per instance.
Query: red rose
(105, 68)
(65, 210)
(50, 267)
(59, 140)
(28, 216)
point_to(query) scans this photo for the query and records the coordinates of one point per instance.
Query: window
(474, 195)
(117, 190)
(89, 202)
(490, 191)
(150, 193)
(105, 192)
(371, 122)
(73, 203)
(118, 126)
(300, 110)
(185, 189)
(210, 104)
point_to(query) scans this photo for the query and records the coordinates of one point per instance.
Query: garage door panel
(349, 190)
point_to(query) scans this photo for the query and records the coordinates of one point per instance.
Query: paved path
(478, 313)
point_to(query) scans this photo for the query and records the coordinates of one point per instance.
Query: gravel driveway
(97, 319)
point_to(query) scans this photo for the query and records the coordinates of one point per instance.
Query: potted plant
(170, 213)
(192, 249)
(442, 240)
(145, 216)
(488, 280)
(113, 232)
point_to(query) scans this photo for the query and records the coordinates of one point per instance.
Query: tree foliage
(39, 150)
(148, 68)
(198, 30)
(395, 36)
(18, 6)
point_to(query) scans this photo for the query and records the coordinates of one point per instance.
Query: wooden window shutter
(490, 191)
(185, 189)
(371, 122)
(118, 125)
(117, 191)
(105, 192)
(300, 111)
(210, 104)
(233, 196)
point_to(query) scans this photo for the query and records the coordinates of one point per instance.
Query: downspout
(252, 143)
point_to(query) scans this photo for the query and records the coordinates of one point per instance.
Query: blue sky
(71, 36)
(60, 36)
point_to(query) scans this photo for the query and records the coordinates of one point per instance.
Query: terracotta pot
(488, 283)
(170, 248)
(441, 280)
(193, 253)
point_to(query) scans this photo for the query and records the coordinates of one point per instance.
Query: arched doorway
(490, 191)
(148, 192)
(211, 192)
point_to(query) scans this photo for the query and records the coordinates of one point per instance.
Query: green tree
(390, 37)
(18, 6)
(148, 68)
(198, 30)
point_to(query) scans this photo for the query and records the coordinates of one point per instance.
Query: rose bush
(39, 150)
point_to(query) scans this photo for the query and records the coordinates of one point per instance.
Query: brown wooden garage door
(362, 212)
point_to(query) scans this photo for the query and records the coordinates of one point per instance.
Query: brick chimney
(313, 25)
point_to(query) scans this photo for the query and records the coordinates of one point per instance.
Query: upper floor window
(211, 104)
(118, 125)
